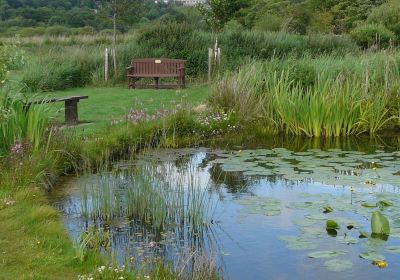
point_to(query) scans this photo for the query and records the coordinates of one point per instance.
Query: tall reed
(144, 196)
(353, 98)
(19, 125)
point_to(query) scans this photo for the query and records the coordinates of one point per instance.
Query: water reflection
(258, 226)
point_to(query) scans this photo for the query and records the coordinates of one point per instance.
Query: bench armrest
(130, 67)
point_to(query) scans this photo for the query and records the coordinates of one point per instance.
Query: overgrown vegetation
(303, 97)
(54, 67)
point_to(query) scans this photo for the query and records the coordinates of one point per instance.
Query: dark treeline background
(54, 17)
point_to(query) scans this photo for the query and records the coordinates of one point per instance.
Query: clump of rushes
(333, 104)
(144, 196)
(18, 125)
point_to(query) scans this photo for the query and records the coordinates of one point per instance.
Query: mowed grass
(33, 242)
(108, 104)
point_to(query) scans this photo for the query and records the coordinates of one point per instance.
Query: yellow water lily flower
(380, 264)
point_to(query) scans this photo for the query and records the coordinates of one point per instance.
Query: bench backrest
(164, 66)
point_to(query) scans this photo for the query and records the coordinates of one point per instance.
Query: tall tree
(218, 12)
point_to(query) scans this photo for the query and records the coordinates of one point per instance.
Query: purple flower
(17, 148)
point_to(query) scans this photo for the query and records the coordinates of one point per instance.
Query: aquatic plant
(18, 126)
(141, 194)
(351, 97)
(92, 239)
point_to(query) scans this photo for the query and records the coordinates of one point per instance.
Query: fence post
(106, 65)
(210, 57)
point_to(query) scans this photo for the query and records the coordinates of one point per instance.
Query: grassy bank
(33, 240)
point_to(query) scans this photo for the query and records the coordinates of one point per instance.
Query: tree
(218, 12)
(121, 11)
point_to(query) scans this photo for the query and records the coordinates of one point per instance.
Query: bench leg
(157, 82)
(71, 111)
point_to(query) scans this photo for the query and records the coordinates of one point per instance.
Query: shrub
(56, 75)
(372, 34)
(31, 31)
(387, 14)
(58, 30)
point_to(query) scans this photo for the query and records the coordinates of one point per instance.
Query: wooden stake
(106, 65)
(210, 57)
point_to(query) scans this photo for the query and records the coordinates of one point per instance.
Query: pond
(257, 213)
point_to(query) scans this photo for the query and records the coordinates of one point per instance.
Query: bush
(182, 41)
(32, 31)
(58, 30)
(387, 14)
(372, 34)
(51, 73)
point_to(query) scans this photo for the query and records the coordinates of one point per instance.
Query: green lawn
(107, 104)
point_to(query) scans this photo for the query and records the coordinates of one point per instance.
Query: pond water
(259, 213)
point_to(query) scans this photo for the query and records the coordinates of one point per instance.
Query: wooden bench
(157, 68)
(71, 106)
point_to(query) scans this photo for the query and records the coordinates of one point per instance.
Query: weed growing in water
(145, 195)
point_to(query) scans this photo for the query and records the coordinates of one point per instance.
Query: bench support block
(71, 111)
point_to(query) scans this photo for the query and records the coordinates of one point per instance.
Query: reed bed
(142, 195)
(316, 98)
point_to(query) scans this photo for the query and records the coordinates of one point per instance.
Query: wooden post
(106, 65)
(115, 38)
(210, 56)
(71, 111)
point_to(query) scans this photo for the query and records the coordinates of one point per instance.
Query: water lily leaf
(338, 265)
(385, 203)
(331, 224)
(393, 249)
(372, 256)
(304, 222)
(272, 212)
(345, 239)
(368, 204)
(379, 224)
(326, 254)
(298, 243)
(327, 209)
(316, 217)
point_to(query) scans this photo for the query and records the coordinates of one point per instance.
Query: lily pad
(372, 256)
(346, 239)
(338, 265)
(331, 224)
(326, 254)
(298, 243)
(393, 249)
(379, 224)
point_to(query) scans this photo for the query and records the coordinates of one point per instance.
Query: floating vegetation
(326, 254)
(260, 205)
(338, 265)
(331, 167)
(163, 206)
